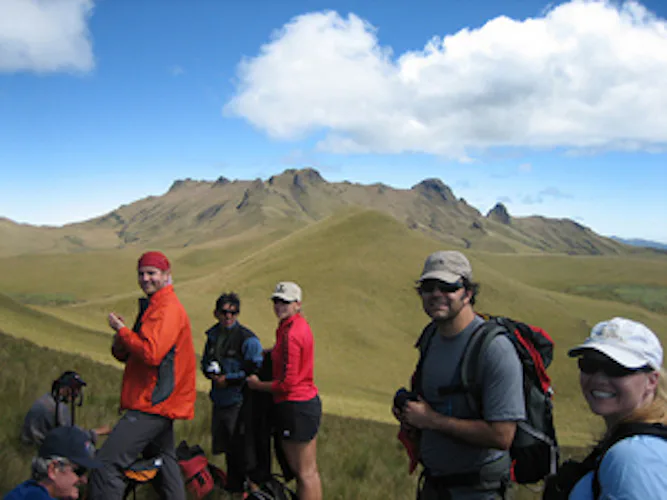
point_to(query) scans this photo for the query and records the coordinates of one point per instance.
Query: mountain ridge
(193, 212)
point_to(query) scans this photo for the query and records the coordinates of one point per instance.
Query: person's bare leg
(302, 458)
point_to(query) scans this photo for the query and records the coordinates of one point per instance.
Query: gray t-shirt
(502, 398)
(41, 418)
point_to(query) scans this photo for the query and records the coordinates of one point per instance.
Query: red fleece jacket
(293, 359)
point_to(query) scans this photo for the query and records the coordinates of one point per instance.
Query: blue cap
(70, 443)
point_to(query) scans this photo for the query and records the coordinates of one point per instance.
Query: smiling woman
(622, 379)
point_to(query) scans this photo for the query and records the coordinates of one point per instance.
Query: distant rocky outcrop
(499, 214)
(435, 190)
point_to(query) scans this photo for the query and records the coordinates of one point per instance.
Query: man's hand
(115, 321)
(418, 414)
(103, 431)
(252, 381)
(219, 380)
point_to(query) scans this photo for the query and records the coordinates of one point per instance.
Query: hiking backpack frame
(75, 383)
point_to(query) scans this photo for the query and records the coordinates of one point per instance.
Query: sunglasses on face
(76, 469)
(228, 312)
(430, 286)
(591, 365)
(79, 471)
(276, 300)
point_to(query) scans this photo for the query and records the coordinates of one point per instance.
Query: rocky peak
(500, 214)
(434, 189)
(181, 183)
(300, 179)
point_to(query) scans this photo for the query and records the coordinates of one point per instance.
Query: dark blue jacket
(28, 490)
(239, 353)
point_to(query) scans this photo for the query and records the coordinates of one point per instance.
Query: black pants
(432, 489)
(228, 438)
(134, 433)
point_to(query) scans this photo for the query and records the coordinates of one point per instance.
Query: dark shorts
(299, 420)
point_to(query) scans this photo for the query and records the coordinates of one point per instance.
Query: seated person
(59, 468)
(56, 409)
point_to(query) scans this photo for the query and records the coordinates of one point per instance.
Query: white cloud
(45, 35)
(541, 197)
(176, 70)
(583, 75)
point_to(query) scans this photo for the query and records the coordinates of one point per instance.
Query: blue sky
(555, 109)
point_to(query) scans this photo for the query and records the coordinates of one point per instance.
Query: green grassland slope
(357, 270)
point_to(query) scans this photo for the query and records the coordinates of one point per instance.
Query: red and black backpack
(200, 476)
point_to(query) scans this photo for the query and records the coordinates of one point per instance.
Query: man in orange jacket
(158, 384)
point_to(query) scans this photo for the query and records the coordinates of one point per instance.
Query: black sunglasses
(592, 364)
(79, 471)
(228, 312)
(76, 469)
(276, 300)
(430, 286)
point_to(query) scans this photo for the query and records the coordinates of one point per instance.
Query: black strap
(423, 343)
(471, 369)
(621, 432)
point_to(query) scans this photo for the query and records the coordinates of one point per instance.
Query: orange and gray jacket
(161, 368)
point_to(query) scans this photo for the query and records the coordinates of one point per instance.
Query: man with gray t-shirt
(464, 450)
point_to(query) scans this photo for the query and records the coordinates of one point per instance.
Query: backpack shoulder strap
(624, 431)
(472, 367)
(423, 343)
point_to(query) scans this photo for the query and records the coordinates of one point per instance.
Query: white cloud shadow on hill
(583, 75)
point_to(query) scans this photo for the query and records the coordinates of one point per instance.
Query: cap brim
(87, 462)
(445, 276)
(282, 297)
(621, 356)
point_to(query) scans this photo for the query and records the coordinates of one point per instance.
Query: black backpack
(534, 451)
(273, 489)
(559, 486)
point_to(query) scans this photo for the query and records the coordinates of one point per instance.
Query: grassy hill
(357, 270)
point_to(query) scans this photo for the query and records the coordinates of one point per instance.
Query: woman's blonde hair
(656, 411)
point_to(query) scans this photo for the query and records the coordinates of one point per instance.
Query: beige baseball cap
(448, 266)
(287, 291)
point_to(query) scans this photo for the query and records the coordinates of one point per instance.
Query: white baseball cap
(287, 291)
(627, 342)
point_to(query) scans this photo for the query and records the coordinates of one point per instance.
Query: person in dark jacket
(59, 468)
(232, 352)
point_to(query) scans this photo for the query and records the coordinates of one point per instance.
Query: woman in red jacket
(298, 405)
